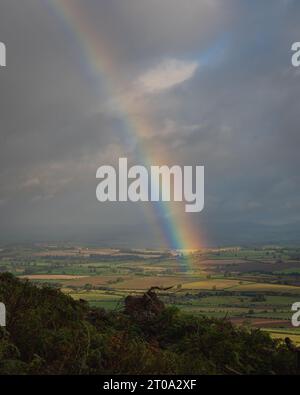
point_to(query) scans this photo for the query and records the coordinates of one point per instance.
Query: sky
(214, 84)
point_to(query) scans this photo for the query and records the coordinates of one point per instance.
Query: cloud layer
(167, 74)
(214, 83)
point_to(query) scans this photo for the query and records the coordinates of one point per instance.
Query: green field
(255, 285)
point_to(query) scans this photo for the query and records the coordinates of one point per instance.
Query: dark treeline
(49, 333)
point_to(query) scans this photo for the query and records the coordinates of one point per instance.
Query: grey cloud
(237, 115)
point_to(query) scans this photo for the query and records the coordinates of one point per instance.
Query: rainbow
(100, 63)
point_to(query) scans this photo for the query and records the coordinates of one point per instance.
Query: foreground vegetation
(48, 332)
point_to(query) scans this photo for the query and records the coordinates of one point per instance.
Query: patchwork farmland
(253, 287)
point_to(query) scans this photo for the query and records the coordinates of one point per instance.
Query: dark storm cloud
(230, 103)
